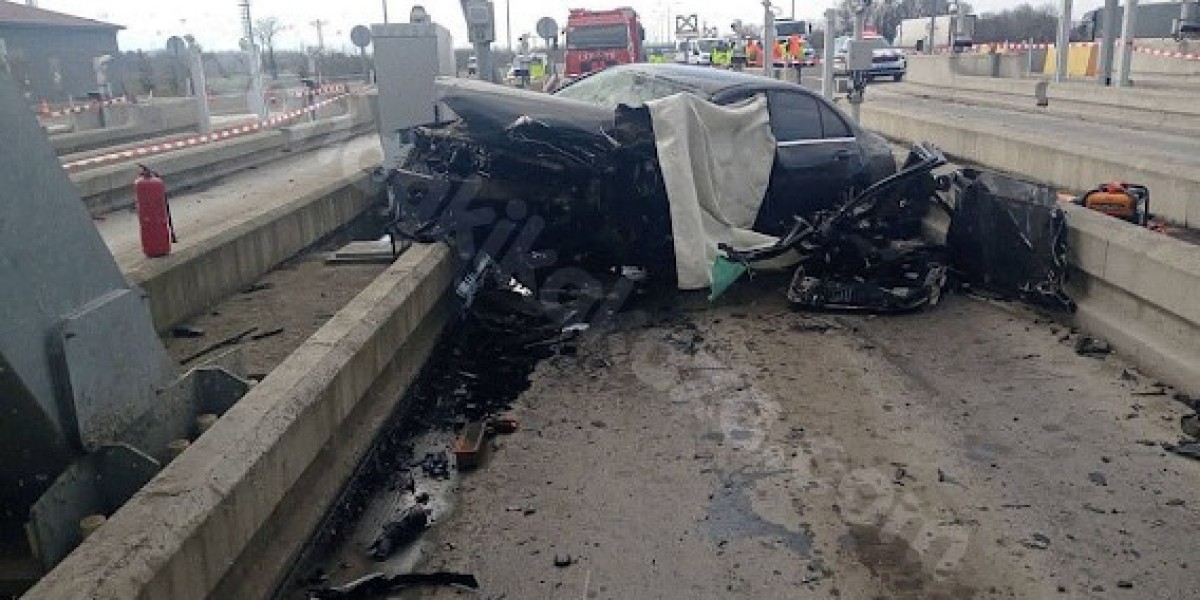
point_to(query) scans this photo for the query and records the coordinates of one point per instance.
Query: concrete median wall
(189, 281)
(1137, 289)
(129, 122)
(1176, 187)
(226, 518)
(108, 188)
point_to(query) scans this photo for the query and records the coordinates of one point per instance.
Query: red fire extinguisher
(154, 215)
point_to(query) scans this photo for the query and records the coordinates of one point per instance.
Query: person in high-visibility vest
(777, 55)
(721, 55)
(795, 48)
(753, 52)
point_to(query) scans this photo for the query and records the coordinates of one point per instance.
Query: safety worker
(777, 56)
(658, 57)
(753, 53)
(721, 56)
(795, 48)
(738, 60)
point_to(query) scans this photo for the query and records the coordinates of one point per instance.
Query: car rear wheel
(898, 77)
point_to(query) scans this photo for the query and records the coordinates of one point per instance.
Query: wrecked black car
(679, 176)
(534, 180)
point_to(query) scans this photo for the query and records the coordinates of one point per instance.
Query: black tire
(898, 77)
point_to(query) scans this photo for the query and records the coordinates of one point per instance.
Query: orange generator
(1126, 201)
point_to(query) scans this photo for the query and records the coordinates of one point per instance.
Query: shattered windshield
(596, 37)
(612, 88)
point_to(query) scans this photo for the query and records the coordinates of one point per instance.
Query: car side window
(832, 124)
(794, 117)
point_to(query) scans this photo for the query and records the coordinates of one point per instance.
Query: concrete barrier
(129, 122)
(1162, 110)
(108, 188)
(190, 280)
(228, 516)
(1138, 290)
(1176, 187)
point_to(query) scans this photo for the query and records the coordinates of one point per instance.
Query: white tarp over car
(716, 162)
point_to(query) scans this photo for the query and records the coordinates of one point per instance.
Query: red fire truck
(597, 39)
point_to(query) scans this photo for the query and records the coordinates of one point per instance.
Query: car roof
(708, 81)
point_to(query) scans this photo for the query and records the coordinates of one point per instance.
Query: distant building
(49, 54)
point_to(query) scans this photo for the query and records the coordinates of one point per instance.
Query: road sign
(547, 28)
(361, 36)
(687, 25)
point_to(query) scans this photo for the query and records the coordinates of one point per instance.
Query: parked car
(584, 162)
(886, 60)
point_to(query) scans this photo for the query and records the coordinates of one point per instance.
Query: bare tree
(265, 29)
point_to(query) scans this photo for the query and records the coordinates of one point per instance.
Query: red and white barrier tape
(1166, 53)
(321, 91)
(80, 108)
(200, 140)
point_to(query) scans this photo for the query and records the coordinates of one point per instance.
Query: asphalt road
(748, 451)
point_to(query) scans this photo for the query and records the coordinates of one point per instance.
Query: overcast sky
(215, 23)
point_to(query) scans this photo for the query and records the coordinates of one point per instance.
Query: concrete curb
(220, 519)
(1176, 189)
(1138, 289)
(108, 188)
(196, 277)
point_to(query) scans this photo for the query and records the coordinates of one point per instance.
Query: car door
(816, 158)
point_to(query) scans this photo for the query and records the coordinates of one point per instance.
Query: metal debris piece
(1093, 347)
(400, 533)
(377, 585)
(470, 445)
(436, 465)
(1009, 236)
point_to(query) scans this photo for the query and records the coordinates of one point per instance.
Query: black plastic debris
(1090, 346)
(436, 465)
(400, 533)
(1010, 237)
(865, 254)
(378, 585)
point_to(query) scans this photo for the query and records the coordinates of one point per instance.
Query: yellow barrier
(1081, 60)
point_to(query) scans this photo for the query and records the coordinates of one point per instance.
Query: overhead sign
(687, 25)
(360, 36)
(547, 28)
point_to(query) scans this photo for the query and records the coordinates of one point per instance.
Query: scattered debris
(1125, 584)
(1098, 478)
(1187, 449)
(504, 425)
(436, 465)
(1037, 542)
(400, 533)
(1176, 502)
(1190, 425)
(1092, 347)
(257, 287)
(469, 445)
(267, 334)
(563, 561)
(186, 331)
(378, 585)
(1010, 237)
(232, 340)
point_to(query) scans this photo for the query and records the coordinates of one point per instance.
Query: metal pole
(827, 51)
(932, 26)
(256, 99)
(508, 23)
(1128, 30)
(1108, 44)
(1062, 45)
(200, 88)
(860, 18)
(768, 50)
(385, 16)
